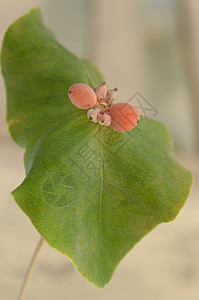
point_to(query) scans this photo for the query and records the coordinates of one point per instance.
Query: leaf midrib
(101, 187)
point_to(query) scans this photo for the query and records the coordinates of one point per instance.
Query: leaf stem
(30, 269)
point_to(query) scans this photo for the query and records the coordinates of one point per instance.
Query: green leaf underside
(91, 192)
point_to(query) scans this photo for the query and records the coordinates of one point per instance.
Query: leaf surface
(90, 191)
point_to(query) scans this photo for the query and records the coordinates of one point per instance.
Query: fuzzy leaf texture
(91, 192)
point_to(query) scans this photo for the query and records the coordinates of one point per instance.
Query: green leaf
(90, 191)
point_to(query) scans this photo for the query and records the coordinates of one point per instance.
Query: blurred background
(148, 50)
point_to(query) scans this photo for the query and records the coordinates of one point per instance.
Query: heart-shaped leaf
(90, 191)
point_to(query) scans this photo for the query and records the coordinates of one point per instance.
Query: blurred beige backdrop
(145, 46)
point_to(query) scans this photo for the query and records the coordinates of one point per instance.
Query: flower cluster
(99, 102)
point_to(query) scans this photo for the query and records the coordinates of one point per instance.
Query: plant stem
(30, 269)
